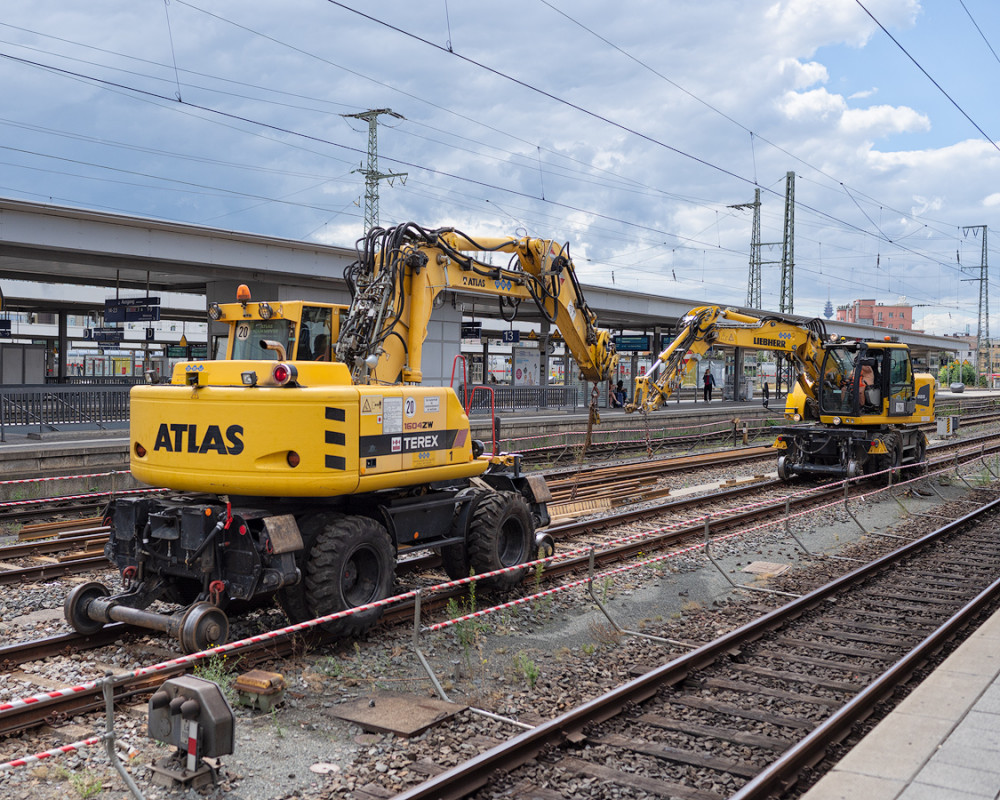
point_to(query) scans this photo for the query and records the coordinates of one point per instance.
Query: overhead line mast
(371, 171)
(983, 361)
(753, 279)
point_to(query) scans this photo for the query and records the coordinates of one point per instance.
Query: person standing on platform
(767, 394)
(709, 381)
(618, 396)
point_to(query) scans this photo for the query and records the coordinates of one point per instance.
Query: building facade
(868, 312)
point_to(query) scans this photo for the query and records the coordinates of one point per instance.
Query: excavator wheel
(854, 469)
(351, 563)
(455, 557)
(919, 465)
(501, 535)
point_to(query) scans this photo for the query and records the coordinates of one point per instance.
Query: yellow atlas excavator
(302, 470)
(856, 404)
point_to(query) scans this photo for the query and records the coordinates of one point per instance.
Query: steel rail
(47, 546)
(460, 781)
(44, 572)
(783, 773)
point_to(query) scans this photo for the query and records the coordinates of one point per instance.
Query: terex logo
(420, 442)
(177, 438)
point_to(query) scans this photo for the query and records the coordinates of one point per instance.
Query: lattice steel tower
(753, 279)
(370, 171)
(983, 330)
(786, 303)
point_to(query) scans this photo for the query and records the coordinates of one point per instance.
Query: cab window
(315, 337)
(836, 395)
(249, 333)
(900, 374)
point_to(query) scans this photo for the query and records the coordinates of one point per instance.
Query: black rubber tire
(351, 563)
(919, 465)
(455, 557)
(501, 535)
(292, 599)
(894, 443)
(75, 607)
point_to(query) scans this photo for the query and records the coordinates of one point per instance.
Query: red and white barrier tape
(64, 477)
(56, 751)
(91, 496)
(301, 626)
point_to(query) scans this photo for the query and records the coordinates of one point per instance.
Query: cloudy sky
(628, 129)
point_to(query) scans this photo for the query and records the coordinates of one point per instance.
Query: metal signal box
(178, 703)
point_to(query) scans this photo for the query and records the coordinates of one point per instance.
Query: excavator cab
(305, 331)
(862, 379)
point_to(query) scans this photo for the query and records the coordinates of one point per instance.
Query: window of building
(879, 316)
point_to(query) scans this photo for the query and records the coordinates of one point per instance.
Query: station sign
(187, 351)
(139, 309)
(510, 337)
(104, 334)
(472, 330)
(5, 328)
(632, 344)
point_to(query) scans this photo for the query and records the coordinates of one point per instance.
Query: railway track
(622, 437)
(580, 502)
(402, 611)
(742, 716)
(284, 651)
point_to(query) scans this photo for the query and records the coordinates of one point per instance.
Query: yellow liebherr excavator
(857, 403)
(302, 471)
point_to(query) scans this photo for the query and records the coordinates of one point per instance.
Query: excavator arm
(707, 326)
(400, 272)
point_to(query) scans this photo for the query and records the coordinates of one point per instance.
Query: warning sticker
(392, 415)
(432, 404)
(371, 404)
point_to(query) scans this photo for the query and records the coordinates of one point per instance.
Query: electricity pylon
(753, 279)
(371, 171)
(983, 330)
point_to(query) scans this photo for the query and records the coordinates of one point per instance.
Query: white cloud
(637, 158)
(876, 121)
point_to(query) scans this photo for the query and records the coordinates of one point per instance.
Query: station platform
(941, 743)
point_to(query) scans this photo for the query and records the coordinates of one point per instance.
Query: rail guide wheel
(783, 468)
(76, 603)
(202, 627)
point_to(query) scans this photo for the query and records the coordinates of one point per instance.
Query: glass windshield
(837, 395)
(315, 339)
(900, 375)
(249, 333)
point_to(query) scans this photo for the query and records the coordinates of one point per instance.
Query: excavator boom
(864, 397)
(401, 271)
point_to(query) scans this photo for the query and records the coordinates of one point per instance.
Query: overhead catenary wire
(609, 218)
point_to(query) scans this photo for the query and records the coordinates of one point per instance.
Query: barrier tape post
(108, 686)
(791, 533)
(986, 463)
(847, 507)
(615, 625)
(959, 474)
(420, 655)
(722, 572)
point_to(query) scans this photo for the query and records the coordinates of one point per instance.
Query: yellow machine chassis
(209, 432)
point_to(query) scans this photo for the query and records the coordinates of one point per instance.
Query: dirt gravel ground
(524, 664)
